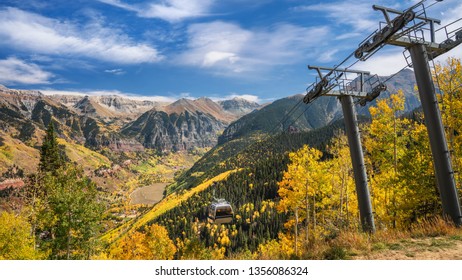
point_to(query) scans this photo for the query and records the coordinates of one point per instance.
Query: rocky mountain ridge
(115, 122)
(106, 107)
(26, 114)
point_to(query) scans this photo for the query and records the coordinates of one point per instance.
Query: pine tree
(73, 214)
(50, 156)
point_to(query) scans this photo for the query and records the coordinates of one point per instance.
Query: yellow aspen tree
(161, 247)
(420, 198)
(449, 80)
(385, 146)
(152, 245)
(131, 247)
(16, 241)
(342, 182)
(282, 248)
(298, 189)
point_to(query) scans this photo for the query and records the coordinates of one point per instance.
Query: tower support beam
(357, 159)
(439, 147)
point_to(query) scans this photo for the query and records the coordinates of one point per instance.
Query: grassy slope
(15, 152)
(84, 156)
(447, 247)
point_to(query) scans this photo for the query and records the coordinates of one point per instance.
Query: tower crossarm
(344, 86)
(396, 28)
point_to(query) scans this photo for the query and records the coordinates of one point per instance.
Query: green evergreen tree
(73, 214)
(50, 155)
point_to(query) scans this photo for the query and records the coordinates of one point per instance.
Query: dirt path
(148, 195)
(431, 248)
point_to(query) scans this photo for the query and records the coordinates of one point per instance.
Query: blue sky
(166, 49)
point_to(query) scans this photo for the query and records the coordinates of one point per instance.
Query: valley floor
(149, 195)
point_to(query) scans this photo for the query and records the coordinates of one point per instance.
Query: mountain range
(113, 122)
(122, 124)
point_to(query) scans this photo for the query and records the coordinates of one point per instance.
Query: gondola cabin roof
(219, 202)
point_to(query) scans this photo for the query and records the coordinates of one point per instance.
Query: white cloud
(328, 55)
(357, 14)
(15, 71)
(41, 35)
(229, 49)
(384, 63)
(119, 4)
(168, 10)
(214, 57)
(349, 35)
(117, 71)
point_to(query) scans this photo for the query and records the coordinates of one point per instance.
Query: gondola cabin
(220, 212)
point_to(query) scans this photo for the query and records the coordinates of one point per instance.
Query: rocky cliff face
(26, 113)
(106, 108)
(204, 105)
(175, 131)
(16, 112)
(239, 106)
(123, 106)
(185, 124)
(66, 99)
